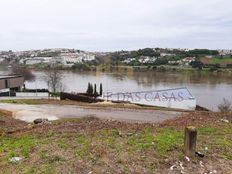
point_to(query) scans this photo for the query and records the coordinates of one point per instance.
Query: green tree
(197, 64)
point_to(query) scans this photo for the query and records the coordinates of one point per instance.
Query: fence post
(190, 140)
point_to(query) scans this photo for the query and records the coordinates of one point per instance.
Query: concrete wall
(32, 94)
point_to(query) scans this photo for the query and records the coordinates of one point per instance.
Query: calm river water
(208, 88)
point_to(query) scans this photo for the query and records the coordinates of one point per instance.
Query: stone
(15, 159)
(29, 126)
(225, 120)
(200, 154)
(40, 120)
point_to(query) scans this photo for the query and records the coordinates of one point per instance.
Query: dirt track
(52, 112)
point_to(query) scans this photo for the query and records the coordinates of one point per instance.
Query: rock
(187, 158)
(37, 121)
(173, 167)
(199, 154)
(29, 126)
(143, 156)
(41, 121)
(201, 164)
(225, 120)
(181, 165)
(130, 134)
(15, 159)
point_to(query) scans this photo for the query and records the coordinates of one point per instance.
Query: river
(208, 88)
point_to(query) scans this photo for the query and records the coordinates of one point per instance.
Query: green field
(217, 60)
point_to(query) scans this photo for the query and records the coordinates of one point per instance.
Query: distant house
(128, 60)
(186, 61)
(166, 54)
(174, 62)
(69, 59)
(225, 52)
(147, 59)
(11, 82)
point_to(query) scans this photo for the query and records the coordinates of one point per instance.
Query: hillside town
(66, 57)
(196, 58)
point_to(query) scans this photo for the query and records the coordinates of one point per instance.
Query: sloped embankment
(91, 145)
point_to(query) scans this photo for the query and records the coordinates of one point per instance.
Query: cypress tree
(88, 89)
(91, 89)
(101, 90)
(95, 90)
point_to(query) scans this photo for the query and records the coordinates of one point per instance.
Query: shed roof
(10, 76)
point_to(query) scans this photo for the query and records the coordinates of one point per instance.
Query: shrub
(225, 106)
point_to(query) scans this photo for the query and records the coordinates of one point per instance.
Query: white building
(186, 61)
(69, 59)
(147, 59)
(36, 60)
(166, 54)
(128, 60)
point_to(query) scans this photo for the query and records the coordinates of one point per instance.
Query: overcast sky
(106, 25)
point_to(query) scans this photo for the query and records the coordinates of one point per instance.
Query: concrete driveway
(29, 113)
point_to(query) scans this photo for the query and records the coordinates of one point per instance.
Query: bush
(81, 67)
(225, 106)
(197, 64)
(79, 97)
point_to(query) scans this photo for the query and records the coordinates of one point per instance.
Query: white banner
(179, 98)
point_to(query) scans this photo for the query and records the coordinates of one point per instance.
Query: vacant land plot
(90, 145)
(217, 60)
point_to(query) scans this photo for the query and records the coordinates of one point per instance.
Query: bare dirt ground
(92, 145)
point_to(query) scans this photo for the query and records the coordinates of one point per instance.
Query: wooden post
(190, 140)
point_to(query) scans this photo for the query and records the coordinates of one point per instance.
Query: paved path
(52, 112)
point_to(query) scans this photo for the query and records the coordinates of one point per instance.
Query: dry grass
(101, 146)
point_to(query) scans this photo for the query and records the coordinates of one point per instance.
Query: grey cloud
(115, 25)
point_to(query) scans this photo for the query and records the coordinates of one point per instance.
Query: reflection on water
(209, 88)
